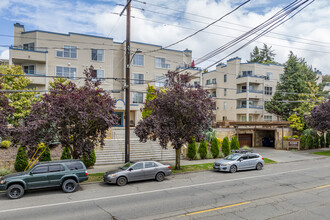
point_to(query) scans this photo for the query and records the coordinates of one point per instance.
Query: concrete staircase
(114, 151)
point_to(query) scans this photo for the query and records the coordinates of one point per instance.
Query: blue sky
(155, 24)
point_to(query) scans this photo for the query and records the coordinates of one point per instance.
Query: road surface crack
(112, 217)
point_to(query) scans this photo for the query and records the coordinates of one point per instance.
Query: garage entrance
(265, 138)
(245, 140)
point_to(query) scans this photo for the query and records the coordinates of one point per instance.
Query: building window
(67, 52)
(137, 97)
(269, 76)
(29, 46)
(214, 94)
(268, 118)
(97, 55)
(69, 72)
(225, 78)
(214, 81)
(224, 92)
(99, 75)
(160, 81)
(243, 117)
(161, 63)
(138, 78)
(208, 82)
(247, 73)
(29, 69)
(224, 105)
(138, 60)
(195, 84)
(268, 90)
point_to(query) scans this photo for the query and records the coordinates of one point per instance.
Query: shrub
(234, 144)
(210, 135)
(21, 160)
(66, 153)
(246, 148)
(89, 160)
(221, 155)
(192, 149)
(4, 171)
(295, 136)
(215, 147)
(303, 142)
(202, 150)
(309, 131)
(45, 156)
(310, 142)
(316, 141)
(328, 139)
(197, 157)
(209, 155)
(5, 144)
(322, 140)
(225, 147)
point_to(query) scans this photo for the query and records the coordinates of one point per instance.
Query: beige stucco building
(46, 54)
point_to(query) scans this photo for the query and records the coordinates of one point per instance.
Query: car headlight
(3, 181)
(112, 175)
(225, 164)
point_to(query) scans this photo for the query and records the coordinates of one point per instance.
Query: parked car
(61, 173)
(135, 171)
(240, 160)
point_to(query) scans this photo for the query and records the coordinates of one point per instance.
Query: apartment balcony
(252, 79)
(253, 109)
(20, 55)
(210, 86)
(254, 94)
(37, 79)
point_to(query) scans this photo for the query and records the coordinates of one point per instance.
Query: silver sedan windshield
(232, 157)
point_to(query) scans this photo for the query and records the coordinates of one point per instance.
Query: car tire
(233, 169)
(69, 186)
(259, 166)
(15, 191)
(121, 181)
(160, 177)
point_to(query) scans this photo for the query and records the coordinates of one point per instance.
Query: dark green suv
(61, 173)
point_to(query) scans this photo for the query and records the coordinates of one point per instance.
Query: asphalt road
(296, 190)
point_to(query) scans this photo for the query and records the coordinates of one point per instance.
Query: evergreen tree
(215, 147)
(262, 55)
(89, 159)
(21, 159)
(192, 149)
(322, 140)
(328, 139)
(310, 143)
(316, 141)
(225, 146)
(45, 156)
(66, 153)
(151, 94)
(202, 150)
(302, 142)
(234, 144)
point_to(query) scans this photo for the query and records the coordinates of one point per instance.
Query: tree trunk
(177, 158)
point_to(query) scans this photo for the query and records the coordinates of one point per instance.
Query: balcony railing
(251, 90)
(40, 50)
(251, 106)
(256, 76)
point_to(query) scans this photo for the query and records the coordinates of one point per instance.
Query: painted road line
(214, 209)
(320, 187)
(152, 191)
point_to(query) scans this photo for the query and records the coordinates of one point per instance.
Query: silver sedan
(142, 170)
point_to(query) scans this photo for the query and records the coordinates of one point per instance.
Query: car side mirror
(130, 169)
(240, 159)
(31, 173)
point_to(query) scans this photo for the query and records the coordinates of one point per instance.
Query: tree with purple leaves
(6, 112)
(178, 115)
(77, 117)
(319, 118)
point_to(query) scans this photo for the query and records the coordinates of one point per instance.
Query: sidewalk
(281, 156)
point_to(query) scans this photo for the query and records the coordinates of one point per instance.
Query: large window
(161, 63)
(29, 46)
(138, 60)
(99, 75)
(268, 90)
(137, 97)
(208, 82)
(160, 81)
(268, 118)
(29, 69)
(214, 94)
(214, 81)
(97, 55)
(70, 72)
(138, 78)
(67, 52)
(247, 73)
(224, 105)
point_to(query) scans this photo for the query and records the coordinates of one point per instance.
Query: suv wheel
(259, 166)
(121, 181)
(160, 177)
(15, 191)
(233, 169)
(69, 186)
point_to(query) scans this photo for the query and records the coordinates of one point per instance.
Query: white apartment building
(241, 89)
(44, 54)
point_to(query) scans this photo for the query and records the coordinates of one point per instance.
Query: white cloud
(4, 54)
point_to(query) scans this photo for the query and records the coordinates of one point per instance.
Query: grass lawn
(324, 153)
(96, 177)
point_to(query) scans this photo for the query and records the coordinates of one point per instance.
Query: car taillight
(86, 173)
(169, 167)
(262, 158)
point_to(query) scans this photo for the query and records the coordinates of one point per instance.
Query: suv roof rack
(242, 151)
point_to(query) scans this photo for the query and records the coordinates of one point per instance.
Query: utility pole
(128, 83)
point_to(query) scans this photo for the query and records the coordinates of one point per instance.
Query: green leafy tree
(225, 146)
(89, 159)
(293, 82)
(215, 147)
(302, 142)
(202, 150)
(192, 149)
(316, 141)
(21, 160)
(234, 144)
(310, 142)
(13, 78)
(151, 94)
(66, 154)
(263, 55)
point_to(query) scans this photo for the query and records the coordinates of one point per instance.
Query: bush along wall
(90, 159)
(225, 147)
(45, 156)
(316, 141)
(202, 150)
(66, 153)
(215, 147)
(322, 140)
(234, 144)
(302, 142)
(328, 139)
(192, 149)
(21, 160)
(310, 143)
